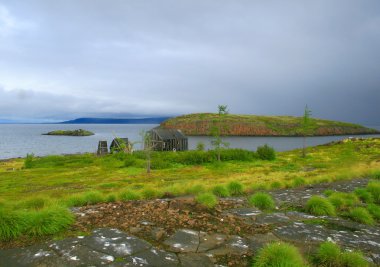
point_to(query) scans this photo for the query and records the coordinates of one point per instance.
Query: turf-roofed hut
(119, 144)
(168, 139)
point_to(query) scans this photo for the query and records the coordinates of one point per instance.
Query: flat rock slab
(244, 212)
(195, 260)
(183, 240)
(272, 218)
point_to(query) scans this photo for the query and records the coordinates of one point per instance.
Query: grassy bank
(33, 188)
(253, 125)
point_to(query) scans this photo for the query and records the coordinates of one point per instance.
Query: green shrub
(343, 201)
(220, 191)
(93, 197)
(11, 224)
(279, 255)
(76, 200)
(374, 189)
(29, 161)
(276, 185)
(298, 181)
(328, 192)
(262, 201)
(266, 152)
(207, 199)
(353, 259)
(159, 164)
(236, 154)
(374, 210)
(195, 157)
(328, 254)
(200, 146)
(48, 221)
(361, 215)
(364, 195)
(319, 206)
(375, 174)
(235, 188)
(129, 195)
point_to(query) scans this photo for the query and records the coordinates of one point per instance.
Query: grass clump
(374, 210)
(328, 192)
(343, 201)
(220, 191)
(29, 161)
(149, 193)
(48, 221)
(235, 188)
(279, 254)
(111, 198)
(276, 185)
(11, 224)
(353, 259)
(374, 189)
(298, 182)
(36, 203)
(364, 195)
(262, 201)
(196, 189)
(361, 215)
(375, 174)
(330, 254)
(320, 206)
(92, 197)
(207, 199)
(127, 195)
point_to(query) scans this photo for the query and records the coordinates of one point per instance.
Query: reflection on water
(16, 140)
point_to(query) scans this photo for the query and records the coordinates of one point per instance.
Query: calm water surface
(16, 140)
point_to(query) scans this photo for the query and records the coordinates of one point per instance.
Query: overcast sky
(65, 59)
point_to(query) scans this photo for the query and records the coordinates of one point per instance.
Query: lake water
(17, 140)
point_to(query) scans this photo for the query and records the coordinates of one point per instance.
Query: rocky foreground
(179, 232)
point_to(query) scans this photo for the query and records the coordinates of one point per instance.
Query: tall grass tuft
(207, 199)
(353, 259)
(129, 195)
(374, 210)
(220, 191)
(35, 203)
(361, 215)
(235, 188)
(328, 254)
(374, 189)
(262, 201)
(48, 221)
(343, 201)
(364, 195)
(93, 197)
(279, 254)
(12, 224)
(320, 206)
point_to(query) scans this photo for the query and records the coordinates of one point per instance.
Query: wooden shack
(118, 143)
(168, 139)
(102, 148)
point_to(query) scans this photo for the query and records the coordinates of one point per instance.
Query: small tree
(217, 130)
(148, 146)
(307, 126)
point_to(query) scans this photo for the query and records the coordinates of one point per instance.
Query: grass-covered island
(78, 132)
(253, 125)
(332, 194)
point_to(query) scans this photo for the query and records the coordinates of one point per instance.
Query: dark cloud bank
(72, 58)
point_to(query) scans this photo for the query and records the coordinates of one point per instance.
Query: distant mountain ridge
(156, 120)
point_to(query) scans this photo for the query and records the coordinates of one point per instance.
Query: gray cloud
(171, 57)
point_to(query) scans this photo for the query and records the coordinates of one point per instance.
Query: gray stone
(183, 240)
(272, 218)
(210, 241)
(235, 245)
(153, 258)
(116, 243)
(258, 241)
(244, 212)
(195, 260)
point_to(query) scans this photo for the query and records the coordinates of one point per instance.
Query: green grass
(279, 255)
(361, 215)
(329, 254)
(220, 191)
(207, 199)
(374, 189)
(235, 188)
(364, 195)
(77, 180)
(262, 201)
(12, 224)
(320, 206)
(374, 210)
(343, 201)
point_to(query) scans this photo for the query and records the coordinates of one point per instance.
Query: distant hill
(253, 125)
(157, 120)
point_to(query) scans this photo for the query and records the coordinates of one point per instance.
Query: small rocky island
(78, 132)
